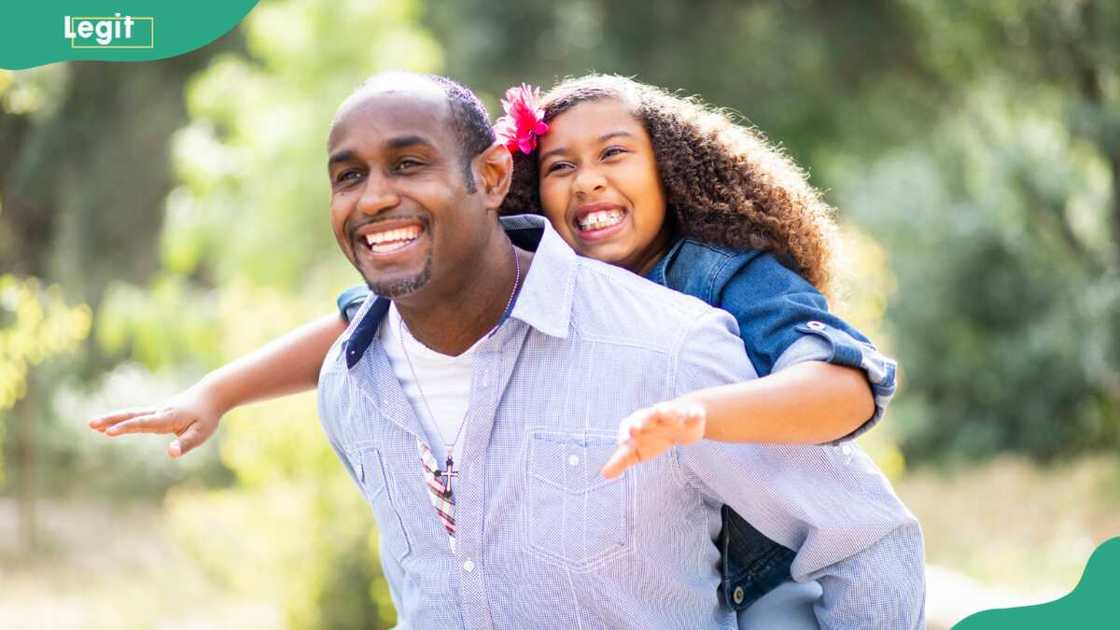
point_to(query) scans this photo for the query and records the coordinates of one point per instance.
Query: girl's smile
(599, 221)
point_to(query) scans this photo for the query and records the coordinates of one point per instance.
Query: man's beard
(403, 286)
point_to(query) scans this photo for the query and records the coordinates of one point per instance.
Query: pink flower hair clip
(524, 120)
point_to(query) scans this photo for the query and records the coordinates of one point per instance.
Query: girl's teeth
(600, 219)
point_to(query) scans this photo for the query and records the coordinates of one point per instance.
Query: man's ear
(495, 165)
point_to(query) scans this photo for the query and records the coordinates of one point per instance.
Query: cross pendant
(448, 474)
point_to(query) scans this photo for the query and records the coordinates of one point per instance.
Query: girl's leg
(787, 607)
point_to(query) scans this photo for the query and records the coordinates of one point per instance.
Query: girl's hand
(648, 432)
(192, 416)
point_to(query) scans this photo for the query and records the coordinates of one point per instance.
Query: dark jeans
(753, 565)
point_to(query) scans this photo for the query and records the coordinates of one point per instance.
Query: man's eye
(408, 164)
(346, 176)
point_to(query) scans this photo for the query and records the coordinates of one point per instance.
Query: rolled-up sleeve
(828, 503)
(822, 342)
(784, 320)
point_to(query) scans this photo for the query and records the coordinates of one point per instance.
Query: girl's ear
(495, 166)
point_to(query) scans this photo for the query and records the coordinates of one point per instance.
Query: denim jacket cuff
(826, 343)
(350, 300)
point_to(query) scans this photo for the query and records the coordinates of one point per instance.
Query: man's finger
(162, 422)
(100, 423)
(189, 439)
(624, 457)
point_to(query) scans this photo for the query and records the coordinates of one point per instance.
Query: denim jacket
(783, 320)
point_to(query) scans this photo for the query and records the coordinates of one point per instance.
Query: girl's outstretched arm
(807, 403)
(286, 365)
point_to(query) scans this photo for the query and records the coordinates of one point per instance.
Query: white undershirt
(445, 382)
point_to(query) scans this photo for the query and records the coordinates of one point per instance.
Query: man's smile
(388, 237)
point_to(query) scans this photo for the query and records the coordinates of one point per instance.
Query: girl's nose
(589, 180)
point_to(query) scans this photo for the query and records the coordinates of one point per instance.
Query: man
(506, 372)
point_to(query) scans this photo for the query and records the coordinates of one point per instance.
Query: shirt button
(815, 325)
(738, 595)
(468, 566)
(573, 460)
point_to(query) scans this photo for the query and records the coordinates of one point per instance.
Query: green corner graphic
(1089, 606)
(46, 32)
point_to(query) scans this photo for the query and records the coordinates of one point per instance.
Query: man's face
(400, 209)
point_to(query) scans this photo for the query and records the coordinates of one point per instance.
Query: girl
(668, 188)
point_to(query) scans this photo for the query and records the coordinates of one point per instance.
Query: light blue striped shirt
(543, 540)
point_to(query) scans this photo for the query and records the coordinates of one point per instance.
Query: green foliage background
(971, 148)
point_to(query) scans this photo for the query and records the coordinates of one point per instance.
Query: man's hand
(649, 432)
(192, 416)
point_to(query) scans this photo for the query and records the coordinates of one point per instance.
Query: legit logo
(110, 32)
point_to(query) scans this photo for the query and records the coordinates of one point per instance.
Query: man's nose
(377, 196)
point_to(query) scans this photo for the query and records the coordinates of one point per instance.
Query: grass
(1015, 525)
(106, 566)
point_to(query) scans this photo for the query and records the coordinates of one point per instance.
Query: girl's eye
(556, 167)
(613, 151)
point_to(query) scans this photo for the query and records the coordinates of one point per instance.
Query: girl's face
(600, 187)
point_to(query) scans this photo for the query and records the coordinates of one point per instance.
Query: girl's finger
(162, 422)
(631, 421)
(109, 419)
(186, 441)
(623, 457)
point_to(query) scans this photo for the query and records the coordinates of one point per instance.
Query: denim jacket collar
(659, 273)
(698, 269)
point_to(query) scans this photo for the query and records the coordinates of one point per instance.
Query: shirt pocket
(377, 488)
(575, 517)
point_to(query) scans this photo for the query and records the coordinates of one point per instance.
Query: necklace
(449, 472)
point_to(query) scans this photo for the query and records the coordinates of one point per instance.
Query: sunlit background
(158, 219)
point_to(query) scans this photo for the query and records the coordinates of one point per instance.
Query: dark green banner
(38, 33)
(1088, 607)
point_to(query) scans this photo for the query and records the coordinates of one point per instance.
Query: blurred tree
(1004, 222)
(803, 71)
(35, 325)
(81, 174)
(1006, 313)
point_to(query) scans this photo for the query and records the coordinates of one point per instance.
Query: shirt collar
(544, 302)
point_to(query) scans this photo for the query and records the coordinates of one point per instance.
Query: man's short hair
(470, 122)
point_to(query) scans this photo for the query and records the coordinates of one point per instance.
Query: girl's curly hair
(725, 184)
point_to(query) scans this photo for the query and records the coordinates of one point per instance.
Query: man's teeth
(391, 240)
(600, 219)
